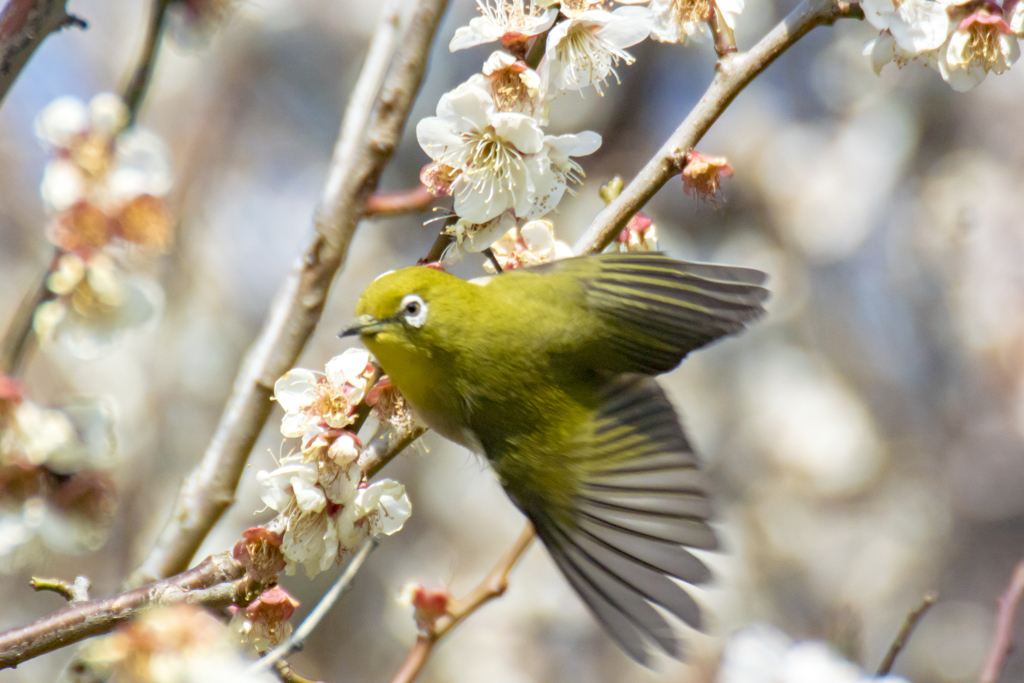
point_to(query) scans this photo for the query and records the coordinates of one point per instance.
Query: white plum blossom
(584, 49)
(529, 245)
(764, 654)
(506, 20)
(488, 151)
(963, 42)
(679, 21)
(982, 42)
(318, 406)
(514, 86)
(179, 644)
(562, 170)
(910, 30)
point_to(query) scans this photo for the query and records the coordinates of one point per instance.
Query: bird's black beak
(364, 324)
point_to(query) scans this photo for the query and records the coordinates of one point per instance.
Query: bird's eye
(415, 310)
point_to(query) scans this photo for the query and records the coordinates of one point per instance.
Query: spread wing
(621, 542)
(652, 310)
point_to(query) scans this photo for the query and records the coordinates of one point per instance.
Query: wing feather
(640, 503)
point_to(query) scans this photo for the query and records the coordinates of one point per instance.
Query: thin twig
(371, 130)
(388, 204)
(136, 88)
(725, 40)
(388, 442)
(24, 25)
(732, 74)
(286, 674)
(72, 592)
(344, 582)
(210, 583)
(1004, 627)
(18, 341)
(909, 624)
(494, 585)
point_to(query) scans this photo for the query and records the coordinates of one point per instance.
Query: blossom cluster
(964, 40)
(487, 142)
(56, 489)
(103, 192)
(325, 506)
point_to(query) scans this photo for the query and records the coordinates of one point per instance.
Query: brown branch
(388, 204)
(72, 592)
(388, 442)
(211, 583)
(24, 25)
(732, 74)
(18, 340)
(1004, 627)
(494, 585)
(371, 130)
(139, 82)
(909, 624)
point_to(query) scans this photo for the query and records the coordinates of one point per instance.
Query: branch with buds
(371, 129)
(436, 614)
(214, 582)
(732, 74)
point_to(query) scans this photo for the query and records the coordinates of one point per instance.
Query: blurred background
(866, 439)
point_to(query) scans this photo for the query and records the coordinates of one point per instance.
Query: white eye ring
(414, 309)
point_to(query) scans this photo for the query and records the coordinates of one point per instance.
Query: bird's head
(407, 307)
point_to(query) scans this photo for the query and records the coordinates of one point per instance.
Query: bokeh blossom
(764, 654)
(94, 303)
(181, 644)
(105, 183)
(103, 192)
(56, 487)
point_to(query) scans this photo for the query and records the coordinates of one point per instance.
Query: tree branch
(370, 131)
(385, 445)
(211, 583)
(732, 73)
(494, 585)
(1004, 627)
(17, 341)
(139, 83)
(24, 25)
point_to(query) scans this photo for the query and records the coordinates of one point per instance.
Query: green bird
(547, 371)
